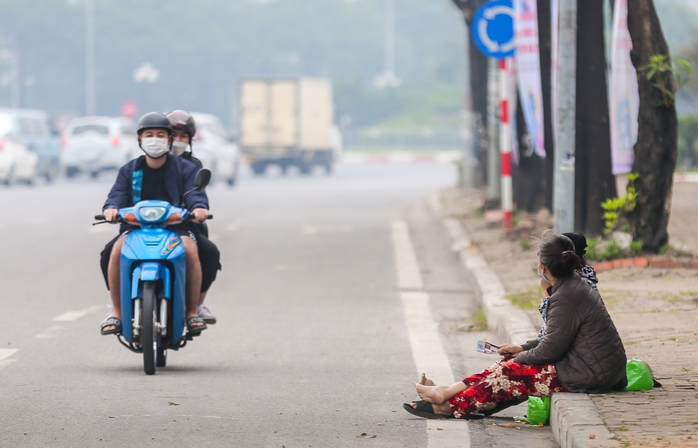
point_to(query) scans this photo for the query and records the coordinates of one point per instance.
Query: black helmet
(183, 121)
(154, 120)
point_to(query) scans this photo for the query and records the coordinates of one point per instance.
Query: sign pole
(565, 118)
(493, 153)
(505, 136)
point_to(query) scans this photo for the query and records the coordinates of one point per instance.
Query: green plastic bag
(639, 375)
(538, 411)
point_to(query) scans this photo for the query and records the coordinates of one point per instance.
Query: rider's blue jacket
(179, 177)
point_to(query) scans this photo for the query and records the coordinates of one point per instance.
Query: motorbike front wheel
(150, 336)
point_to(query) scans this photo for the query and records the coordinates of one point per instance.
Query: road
(314, 345)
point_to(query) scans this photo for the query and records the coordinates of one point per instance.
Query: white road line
(50, 332)
(311, 230)
(232, 227)
(7, 352)
(75, 315)
(427, 349)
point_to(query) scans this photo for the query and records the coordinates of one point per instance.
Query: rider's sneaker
(206, 315)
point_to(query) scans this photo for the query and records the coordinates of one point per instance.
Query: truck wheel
(71, 172)
(259, 168)
(329, 169)
(305, 168)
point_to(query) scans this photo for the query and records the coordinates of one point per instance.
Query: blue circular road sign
(492, 29)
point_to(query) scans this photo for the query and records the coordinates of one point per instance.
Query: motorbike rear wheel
(150, 335)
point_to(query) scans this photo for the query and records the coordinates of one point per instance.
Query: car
(95, 144)
(31, 128)
(17, 162)
(216, 150)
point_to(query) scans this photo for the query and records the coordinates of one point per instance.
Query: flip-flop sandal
(425, 409)
(198, 329)
(111, 322)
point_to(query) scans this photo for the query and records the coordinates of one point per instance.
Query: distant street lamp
(12, 57)
(146, 73)
(90, 57)
(388, 77)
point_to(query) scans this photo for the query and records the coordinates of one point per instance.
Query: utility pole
(565, 118)
(89, 57)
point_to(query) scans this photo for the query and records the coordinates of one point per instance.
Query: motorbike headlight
(152, 213)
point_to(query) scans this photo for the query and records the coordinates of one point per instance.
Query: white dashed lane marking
(5, 353)
(75, 315)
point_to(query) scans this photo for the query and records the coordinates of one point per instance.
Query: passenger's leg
(114, 275)
(210, 264)
(193, 283)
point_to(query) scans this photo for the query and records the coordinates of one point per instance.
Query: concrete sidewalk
(654, 308)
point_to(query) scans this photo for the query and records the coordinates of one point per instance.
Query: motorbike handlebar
(99, 217)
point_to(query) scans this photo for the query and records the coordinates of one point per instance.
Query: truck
(287, 122)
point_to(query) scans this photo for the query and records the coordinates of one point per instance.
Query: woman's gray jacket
(581, 339)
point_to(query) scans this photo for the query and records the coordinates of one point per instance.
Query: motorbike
(153, 279)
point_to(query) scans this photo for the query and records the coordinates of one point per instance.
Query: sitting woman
(581, 350)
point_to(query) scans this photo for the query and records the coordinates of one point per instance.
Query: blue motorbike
(153, 279)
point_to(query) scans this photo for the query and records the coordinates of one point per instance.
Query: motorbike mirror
(203, 177)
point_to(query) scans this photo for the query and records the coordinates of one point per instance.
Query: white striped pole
(505, 136)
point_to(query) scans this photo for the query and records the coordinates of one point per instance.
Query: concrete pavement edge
(574, 419)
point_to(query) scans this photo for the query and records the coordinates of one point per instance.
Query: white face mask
(155, 147)
(179, 148)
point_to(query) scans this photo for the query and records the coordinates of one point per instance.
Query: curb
(654, 262)
(574, 419)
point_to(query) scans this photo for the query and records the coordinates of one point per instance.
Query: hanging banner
(528, 65)
(624, 97)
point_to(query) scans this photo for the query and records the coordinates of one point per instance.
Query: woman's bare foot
(432, 394)
(424, 381)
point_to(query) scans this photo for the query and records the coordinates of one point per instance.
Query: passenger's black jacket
(581, 339)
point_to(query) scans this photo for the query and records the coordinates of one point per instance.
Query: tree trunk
(533, 184)
(594, 182)
(657, 139)
(545, 45)
(478, 91)
(529, 177)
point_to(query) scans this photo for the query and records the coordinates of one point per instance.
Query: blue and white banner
(624, 98)
(528, 67)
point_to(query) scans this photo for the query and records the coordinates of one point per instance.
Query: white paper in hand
(487, 348)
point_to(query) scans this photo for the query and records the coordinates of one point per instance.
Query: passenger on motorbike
(183, 131)
(156, 176)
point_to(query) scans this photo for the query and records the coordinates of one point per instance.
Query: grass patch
(527, 300)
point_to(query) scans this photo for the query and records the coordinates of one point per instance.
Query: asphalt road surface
(315, 346)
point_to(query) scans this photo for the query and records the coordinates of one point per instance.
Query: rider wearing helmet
(183, 131)
(155, 176)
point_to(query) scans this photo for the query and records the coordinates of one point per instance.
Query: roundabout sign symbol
(493, 29)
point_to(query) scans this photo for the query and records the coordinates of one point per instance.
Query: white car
(17, 162)
(213, 147)
(95, 144)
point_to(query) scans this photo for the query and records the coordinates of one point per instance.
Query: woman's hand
(509, 351)
(545, 285)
